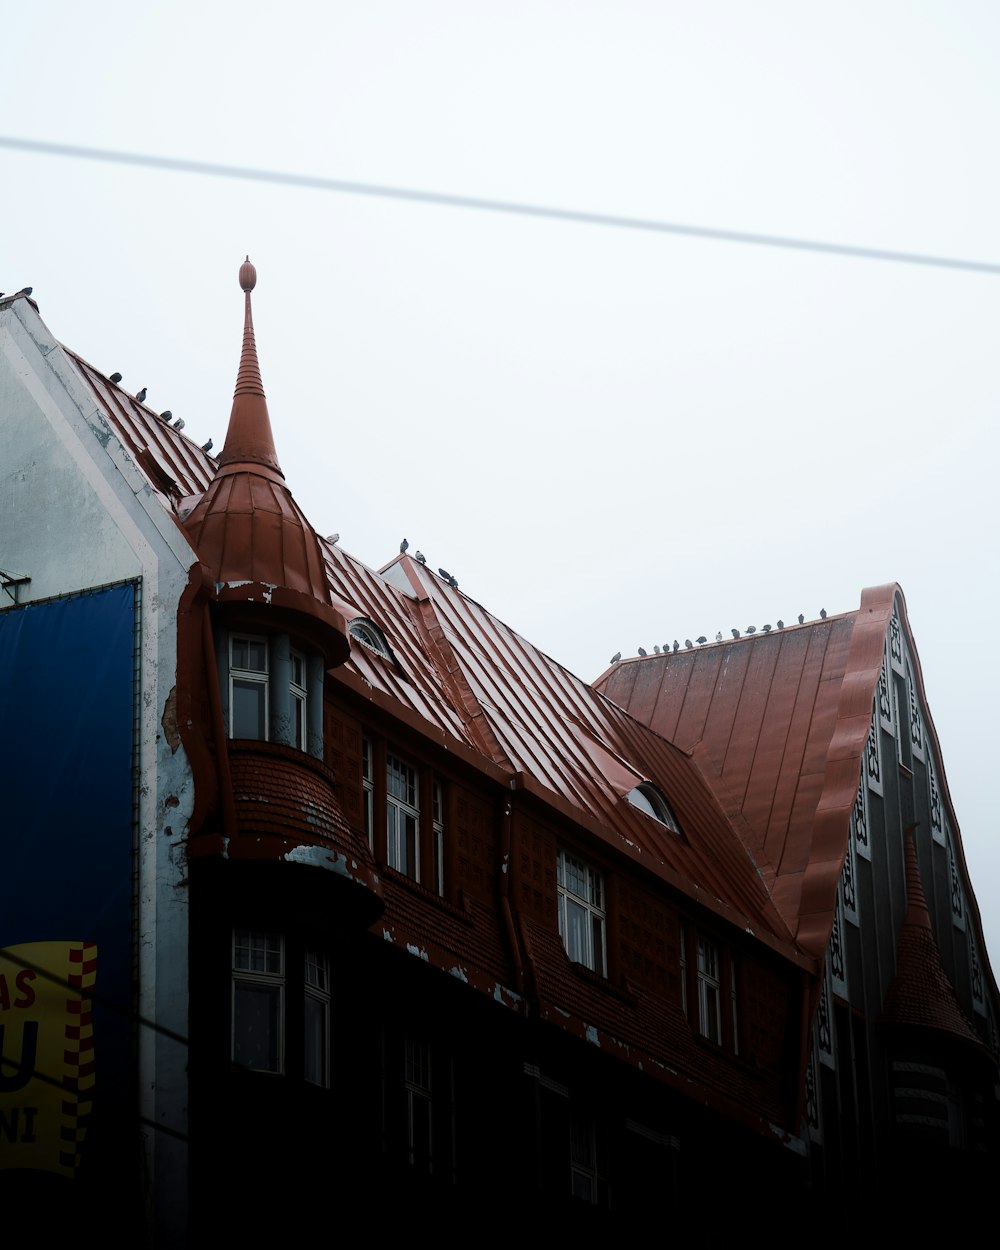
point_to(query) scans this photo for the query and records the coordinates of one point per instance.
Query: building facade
(407, 917)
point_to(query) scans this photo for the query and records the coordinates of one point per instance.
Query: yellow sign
(46, 1053)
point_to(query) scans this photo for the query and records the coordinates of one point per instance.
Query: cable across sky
(477, 204)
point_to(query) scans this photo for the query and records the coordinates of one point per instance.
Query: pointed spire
(249, 439)
(917, 914)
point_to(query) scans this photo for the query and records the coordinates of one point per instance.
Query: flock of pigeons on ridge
(666, 649)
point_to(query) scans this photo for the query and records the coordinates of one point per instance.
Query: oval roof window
(648, 799)
(369, 635)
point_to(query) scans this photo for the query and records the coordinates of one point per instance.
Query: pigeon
(677, 646)
(403, 546)
(207, 447)
(751, 629)
(822, 613)
(179, 423)
(616, 657)
(765, 629)
(688, 643)
(781, 623)
(166, 414)
(332, 539)
(656, 649)
(116, 378)
(718, 636)
(420, 557)
(453, 583)
(141, 396)
(802, 619)
(25, 290)
(735, 633)
(643, 651)
(445, 574)
(701, 640)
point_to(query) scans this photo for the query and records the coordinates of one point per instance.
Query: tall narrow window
(297, 700)
(588, 1159)
(438, 838)
(581, 912)
(402, 817)
(316, 1025)
(247, 686)
(368, 790)
(709, 1005)
(419, 1111)
(258, 1000)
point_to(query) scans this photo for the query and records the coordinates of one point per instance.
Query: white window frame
(316, 1011)
(582, 917)
(368, 790)
(258, 964)
(249, 677)
(298, 691)
(438, 823)
(402, 805)
(709, 991)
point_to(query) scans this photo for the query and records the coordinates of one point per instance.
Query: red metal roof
(779, 721)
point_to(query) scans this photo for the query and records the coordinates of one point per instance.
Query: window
(648, 799)
(369, 635)
(438, 838)
(368, 790)
(419, 1108)
(588, 1159)
(273, 981)
(258, 991)
(709, 997)
(316, 1023)
(248, 676)
(402, 817)
(297, 700)
(581, 912)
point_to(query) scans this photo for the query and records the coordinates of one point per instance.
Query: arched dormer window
(369, 635)
(648, 799)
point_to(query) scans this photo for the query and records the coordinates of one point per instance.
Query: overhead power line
(475, 203)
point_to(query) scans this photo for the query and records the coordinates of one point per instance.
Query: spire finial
(249, 438)
(248, 276)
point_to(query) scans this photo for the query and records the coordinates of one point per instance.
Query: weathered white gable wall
(76, 513)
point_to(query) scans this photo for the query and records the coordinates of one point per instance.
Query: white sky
(611, 438)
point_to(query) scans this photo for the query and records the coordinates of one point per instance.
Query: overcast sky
(612, 438)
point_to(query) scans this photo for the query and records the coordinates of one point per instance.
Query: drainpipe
(219, 732)
(510, 930)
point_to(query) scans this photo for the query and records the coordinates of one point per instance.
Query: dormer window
(369, 635)
(648, 799)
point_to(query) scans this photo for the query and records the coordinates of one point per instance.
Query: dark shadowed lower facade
(351, 903)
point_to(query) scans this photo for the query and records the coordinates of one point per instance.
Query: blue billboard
(68, 704)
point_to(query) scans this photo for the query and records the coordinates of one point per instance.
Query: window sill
(423, 892)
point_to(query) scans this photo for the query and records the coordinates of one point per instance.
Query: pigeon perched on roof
(735, 633)
(688, 643)
(166, 414)
(116, 378)
(781, 623)
(718, 636)
(701, 639)
(616, 657)
(403, 546)
(207, 447)
(332, 539)
(765, 629)
(643, 651)
(25, 290)
(179, 423)
(677, 646)
(822, 613)
(751, 629)
(802, 619)
(445, 574)
(141, 396)
(420, 557)
(656, 649)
